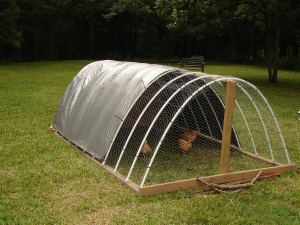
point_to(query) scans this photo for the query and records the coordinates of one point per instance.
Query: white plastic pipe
(154, 120)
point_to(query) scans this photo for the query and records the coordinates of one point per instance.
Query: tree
(144, 24)
(38, 21)
(244, 31)
(10, 34)
(247, 25)
(269, 16)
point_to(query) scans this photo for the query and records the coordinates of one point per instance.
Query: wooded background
(244, 31)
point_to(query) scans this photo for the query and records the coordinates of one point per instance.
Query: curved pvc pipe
(181, 108)
(158, 114)
(234, 131)
(117, 132)
(168, 127)
(243, 115)
(261, 119)
(142, 113)
(272, 114)
(207, 124)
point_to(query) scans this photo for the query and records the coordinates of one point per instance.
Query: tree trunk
(268, 55)
(92, 46)
(159, 39)
(149, 42)
(51, 51)
(134, 40)
(276, 50)
(36, 40)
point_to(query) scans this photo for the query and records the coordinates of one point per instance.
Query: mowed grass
(45, 181)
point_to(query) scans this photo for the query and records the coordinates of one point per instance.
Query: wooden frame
(227, 126)
(223, 178)
(216, 179)
(242, 176)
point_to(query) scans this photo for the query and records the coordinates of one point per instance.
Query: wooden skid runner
(243, 176)
(217, 179)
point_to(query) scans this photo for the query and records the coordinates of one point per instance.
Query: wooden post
(227, 126)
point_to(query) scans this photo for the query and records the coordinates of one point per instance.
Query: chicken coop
(161, 129)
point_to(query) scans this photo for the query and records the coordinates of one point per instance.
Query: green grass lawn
(45, 181)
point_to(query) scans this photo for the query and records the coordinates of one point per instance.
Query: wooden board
(227, 127)
(257, 157)
(217, 179)
(190, 183)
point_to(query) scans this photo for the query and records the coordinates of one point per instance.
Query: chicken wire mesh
(174, 130)
(154, 124)
(258, 129)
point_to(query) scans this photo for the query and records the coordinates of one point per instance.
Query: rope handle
(221, 187)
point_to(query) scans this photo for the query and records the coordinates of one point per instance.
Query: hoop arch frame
(181, 108)
(122, 121)
(203, 76)
(163, 107)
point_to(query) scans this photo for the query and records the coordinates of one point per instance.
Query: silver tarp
(98, 100)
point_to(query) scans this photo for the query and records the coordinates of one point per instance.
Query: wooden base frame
(242, 176)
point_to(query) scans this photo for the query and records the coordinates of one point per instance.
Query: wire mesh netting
(174, 131)
(153, 124)
(256, 125)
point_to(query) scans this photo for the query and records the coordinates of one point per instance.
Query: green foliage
(245, 27)
(247, 31)
(10, 33)
(289, 63)
(43, 180)
(137, 7)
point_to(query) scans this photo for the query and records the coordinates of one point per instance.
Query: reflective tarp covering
(98, 100)
(155, 124)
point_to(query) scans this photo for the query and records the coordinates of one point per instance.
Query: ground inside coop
(202, 159)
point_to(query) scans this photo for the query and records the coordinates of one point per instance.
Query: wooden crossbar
(216, 179)
(242, 176)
